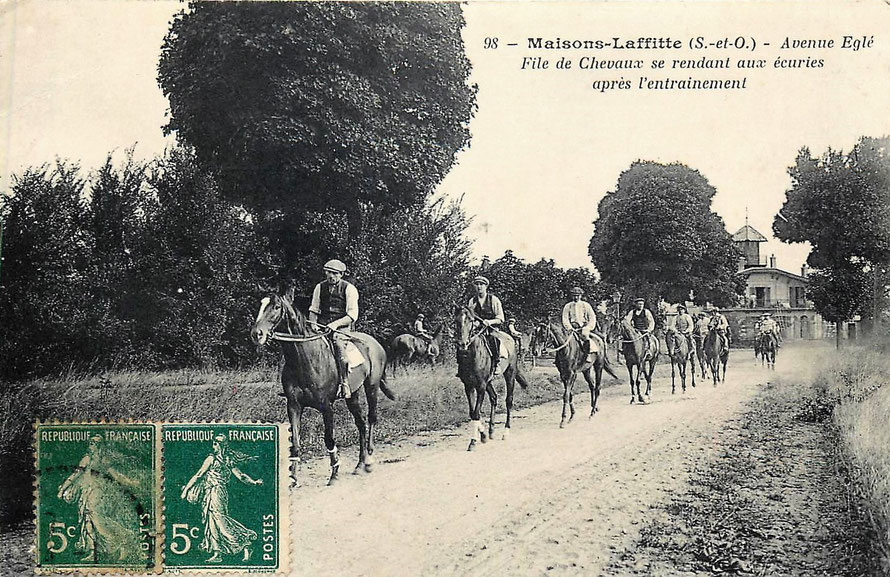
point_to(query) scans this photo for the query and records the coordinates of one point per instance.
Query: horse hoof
(505, 435)
(369, 467)
(332, 480)
(472, 446)
(562, 424)
(483, 437)
(294, 483)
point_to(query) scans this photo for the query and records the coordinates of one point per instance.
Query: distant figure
(420, 331)
(721, 325)
(684, 325)
(578, 316)
(768, 326)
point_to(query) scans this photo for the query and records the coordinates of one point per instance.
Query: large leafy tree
(656, 235)
(840, 203)
(46, 256)
(307, 107)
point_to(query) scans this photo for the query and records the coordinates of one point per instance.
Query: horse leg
(594, 388)
(630, 375)
(476, 432)
(327, 414)
(672, 376)
(568, 382)
(371, 397)
(355, 408)
(681, 367)
(493, 401)
(511, 385)
(295, 416)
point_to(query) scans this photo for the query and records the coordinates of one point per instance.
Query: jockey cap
(481, 280)
(335, 266)
(420, 316)
(577, 290)
(639, 300)
(681, 306)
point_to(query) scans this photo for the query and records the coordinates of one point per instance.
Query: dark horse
(716, 355)
(310, 379)
(637, 355)
(538, 341)
(767, 347)
(571, 357)
(700, 333)
(679, 352)
(474, 366)
(408, 348)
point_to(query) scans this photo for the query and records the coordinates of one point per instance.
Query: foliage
(531, 292)
(656, 236)
(43, 301)
(840, 204)
(839, 292)
(196, 265)
(320, 105)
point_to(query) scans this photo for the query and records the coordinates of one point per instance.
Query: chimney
(743, 264)
(803, 270)
(772, 261)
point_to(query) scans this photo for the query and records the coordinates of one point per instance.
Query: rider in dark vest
(335, 305)
(642, 320)
(488, 308)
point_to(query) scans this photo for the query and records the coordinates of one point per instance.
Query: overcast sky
(79, 80)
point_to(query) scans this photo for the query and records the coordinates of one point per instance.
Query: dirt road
(545, 501)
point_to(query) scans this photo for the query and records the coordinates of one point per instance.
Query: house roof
(769, 270)
(747, 232)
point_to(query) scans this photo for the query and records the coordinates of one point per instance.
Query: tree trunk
(837, 335)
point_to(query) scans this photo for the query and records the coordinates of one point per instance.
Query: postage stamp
(97, 497)
(224, 500)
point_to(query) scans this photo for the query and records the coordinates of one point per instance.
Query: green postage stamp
(97, 497)
(222, 494)
(160, 497)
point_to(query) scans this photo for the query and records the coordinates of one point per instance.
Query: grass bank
(854, 390)
(427, 399)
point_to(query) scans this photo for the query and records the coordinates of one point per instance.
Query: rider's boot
(343, 368)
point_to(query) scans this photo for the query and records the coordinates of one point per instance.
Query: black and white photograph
(531, 288)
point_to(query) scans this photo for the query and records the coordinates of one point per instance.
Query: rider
(420, 331)
(578, 315)
(488, 307)
(768, 326)
(684, 326)
(718, 321)
(516, 334)
(642, 320)
(335, 305)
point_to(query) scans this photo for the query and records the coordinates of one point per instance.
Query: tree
(840, 204)
(45, 264)
(657, 236)
(306, 107)
(195, 269)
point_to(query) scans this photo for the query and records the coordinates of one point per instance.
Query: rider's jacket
(333, 302)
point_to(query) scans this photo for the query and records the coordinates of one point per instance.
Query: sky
(79, 81)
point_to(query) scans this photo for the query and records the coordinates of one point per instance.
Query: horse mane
(292, 315)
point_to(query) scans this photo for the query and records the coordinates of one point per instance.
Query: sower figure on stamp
(488, 307)
(209, 487)
(335, 305)
(579, 317)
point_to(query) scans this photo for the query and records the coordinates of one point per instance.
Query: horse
(572, 357)
(700, 333)
(407, 348)
(715, 355)
(766, 345)
(538, 341)
(679, 352)
(310, 379)
(635, 357)
(474, 367)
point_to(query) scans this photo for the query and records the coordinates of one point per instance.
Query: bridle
(289, 337)
(473, 335)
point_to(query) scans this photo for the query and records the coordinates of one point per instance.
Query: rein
(550, 333)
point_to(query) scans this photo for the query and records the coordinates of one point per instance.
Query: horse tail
(520, 377)
(608, 367)
(384, 386)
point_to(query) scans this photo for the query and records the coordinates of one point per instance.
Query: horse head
(464, 322)
(273, 310)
